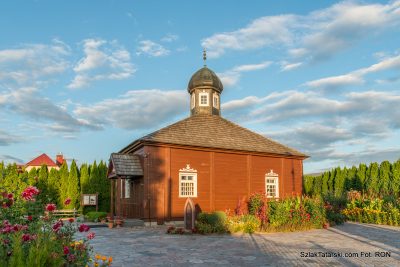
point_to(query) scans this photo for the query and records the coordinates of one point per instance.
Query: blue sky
(87, 78)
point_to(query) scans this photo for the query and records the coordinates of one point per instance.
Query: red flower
(10, 196)
(66, 250)
(57, 226)
(67, 201)
(83, 228)
(71, 220)
(50, 207)
(91, 235)
(26, 237)
(29, 193)
(30, 218)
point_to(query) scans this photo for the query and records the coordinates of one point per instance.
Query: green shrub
(211, 222)
(95, 216)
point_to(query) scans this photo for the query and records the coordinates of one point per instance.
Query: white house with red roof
(44, 159)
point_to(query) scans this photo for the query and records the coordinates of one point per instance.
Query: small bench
(65, 213)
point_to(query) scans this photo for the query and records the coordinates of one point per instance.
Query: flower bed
(31, 236)
(375, 210)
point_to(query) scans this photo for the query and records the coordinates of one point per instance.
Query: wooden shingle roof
(125, 165)
(212, 131)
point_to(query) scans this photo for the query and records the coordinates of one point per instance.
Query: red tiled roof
(42, 160)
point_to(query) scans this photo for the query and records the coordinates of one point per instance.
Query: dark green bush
(95, 216)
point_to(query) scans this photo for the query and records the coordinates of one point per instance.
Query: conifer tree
(73, 191)
(395, 181)
(350, 180)
(317, 185)
(33, 176)
(361, 176)
(325, 181)
(84, 178)
(93, 179)
(42, 183)
(339, 181)
(308, 183)
(372, 179)
(64, 175)
(53, 186)
(384, 178)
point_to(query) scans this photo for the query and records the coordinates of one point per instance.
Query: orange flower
(110, 259)
(96, 264)
(97, 256)
(104, 258)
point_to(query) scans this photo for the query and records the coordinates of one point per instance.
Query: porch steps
(133, 222)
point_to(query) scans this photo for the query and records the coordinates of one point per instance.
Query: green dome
(205, 77)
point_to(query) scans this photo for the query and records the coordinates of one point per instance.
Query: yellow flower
(97, 256)
(104, 258)
(96, 264)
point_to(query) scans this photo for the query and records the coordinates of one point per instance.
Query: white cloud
(151, 48)
(259, 33)
(139, 109)
(231, 77)
(29, 103)
(317, 35)
(102, 61)
(30, 63)
(287, 66)
(355, 77)
(7, 138)
(170, 38)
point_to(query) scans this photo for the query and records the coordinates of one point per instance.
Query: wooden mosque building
(204, 159)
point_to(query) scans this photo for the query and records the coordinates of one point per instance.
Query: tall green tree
(350, 180)
(317, 185)
(53, 186)
(308, 184)
(64, 176)
(371, 183)
(361, 176)
(42, 184)
(384, 178)
(84, 178)
(33, 177)
(339, 181)
(73, 191)
(395, 181)
(325, 186)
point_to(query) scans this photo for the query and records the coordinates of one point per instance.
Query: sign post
(90, 200)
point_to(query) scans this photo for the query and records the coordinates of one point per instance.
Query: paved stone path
(150, 246)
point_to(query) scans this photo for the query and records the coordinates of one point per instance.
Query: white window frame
(193, 100)
(275, 177)
(127, 188)
(186, 172)
(207, 100)
(215, 100)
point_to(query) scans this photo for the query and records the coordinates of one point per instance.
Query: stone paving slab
(355, 244)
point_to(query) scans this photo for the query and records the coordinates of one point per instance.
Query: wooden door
(137, 197)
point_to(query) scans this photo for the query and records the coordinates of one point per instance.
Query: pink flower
(83, 228)
(66, 250)
(29, 193)
(91, 235)
(67, 201)
(57, 226)
(50, 207)
(10, 196)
